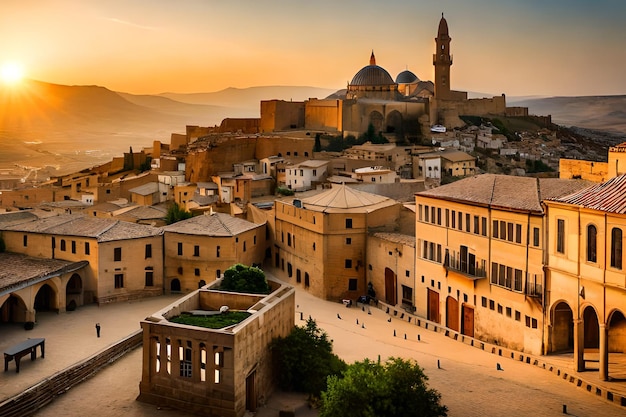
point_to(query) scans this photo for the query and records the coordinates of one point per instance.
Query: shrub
(248, 279)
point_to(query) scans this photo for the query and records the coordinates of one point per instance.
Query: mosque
(406, 108)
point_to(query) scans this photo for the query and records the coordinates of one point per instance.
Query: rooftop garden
(246, 279)
(216, 321)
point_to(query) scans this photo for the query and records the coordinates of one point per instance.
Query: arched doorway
(394, 122)
(45, 300)
(452, 314)
(616, 342)
(562, 328)
(390, 287)
(175, 285)
(13, 310)
(376, 119)
(592, 328)
(73, 292)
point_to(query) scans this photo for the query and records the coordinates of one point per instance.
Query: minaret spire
(372, 58)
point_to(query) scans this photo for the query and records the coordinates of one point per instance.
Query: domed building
(372, 81)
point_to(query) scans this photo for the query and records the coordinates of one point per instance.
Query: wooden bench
(22, 349)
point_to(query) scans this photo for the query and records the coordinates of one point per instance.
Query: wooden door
(468, 321)
(452, 314)
(433, 306)
(251, 392)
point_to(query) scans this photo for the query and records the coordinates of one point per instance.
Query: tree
(176, 213)
(368, 389)
(305, 359)
(318, 143)
(242, 278)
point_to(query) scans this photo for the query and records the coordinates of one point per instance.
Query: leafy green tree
(176, 213)
(318, 143)
(370, 389)
(242, 278)
(305, 359)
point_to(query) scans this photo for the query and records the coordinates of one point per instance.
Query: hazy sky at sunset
(547, 47)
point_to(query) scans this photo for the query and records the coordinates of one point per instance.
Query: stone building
(480, 245)
(586, 301)
(215, 372)
(123, 259)
(199, 249)
(320, 241)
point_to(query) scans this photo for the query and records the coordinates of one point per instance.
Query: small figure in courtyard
(98, 329)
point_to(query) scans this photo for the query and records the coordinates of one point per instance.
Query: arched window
(616, 248)
(592, 234)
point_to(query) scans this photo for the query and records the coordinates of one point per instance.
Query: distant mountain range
(73, 127)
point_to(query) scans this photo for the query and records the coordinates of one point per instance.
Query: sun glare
(11, 73)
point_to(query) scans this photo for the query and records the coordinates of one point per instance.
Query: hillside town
(466, 213)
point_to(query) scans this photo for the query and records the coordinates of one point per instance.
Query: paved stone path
(466, 376)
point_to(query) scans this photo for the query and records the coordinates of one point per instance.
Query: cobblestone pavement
(466, 376)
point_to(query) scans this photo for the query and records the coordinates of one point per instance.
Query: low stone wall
(39, 395)
(592, 387)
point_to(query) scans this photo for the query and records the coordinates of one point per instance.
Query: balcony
(466, 264)
(534, 290)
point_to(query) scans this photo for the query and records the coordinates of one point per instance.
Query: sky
(529, 47)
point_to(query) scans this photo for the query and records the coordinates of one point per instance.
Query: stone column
(579, 345)
(604, 353)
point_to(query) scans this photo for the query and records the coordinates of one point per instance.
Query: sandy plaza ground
(466, 377)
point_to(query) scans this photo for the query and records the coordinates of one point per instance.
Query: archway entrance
(376, 119)
(13, 310)
(73, 292)
(616, 344)
(562, 328)
(175, 285)
(592, 329)
(390, 287)
(452, 314)
(45, 299)
(394, 122)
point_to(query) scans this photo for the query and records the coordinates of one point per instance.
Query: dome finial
(372, 58)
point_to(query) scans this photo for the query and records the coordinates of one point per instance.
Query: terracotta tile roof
(145, 189)
(216, 224)
(505, 191)
(609, 196)
(146, 212)
(19, 271)
(103, 230)
(346, 199)
(407, 240)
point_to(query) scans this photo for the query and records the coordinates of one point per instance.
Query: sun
(11, 73)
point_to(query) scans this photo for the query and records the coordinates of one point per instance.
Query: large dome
(407, 77)
(372, 75)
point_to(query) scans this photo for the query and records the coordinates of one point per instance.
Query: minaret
(372, 58)
(442, 60)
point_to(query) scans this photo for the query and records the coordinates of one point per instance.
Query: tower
(442, 60)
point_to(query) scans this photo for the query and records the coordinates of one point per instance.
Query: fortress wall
(202, 164)
(323, 114)
(243, 125)
(286, 146)
(281, 115)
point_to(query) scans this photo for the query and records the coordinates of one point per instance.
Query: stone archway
(13, 310)
(46, 299)
(376, 119)
(74, 293)
(394, 122)
(616, 343)
(390, 287)
(562, 334)
(591, 328)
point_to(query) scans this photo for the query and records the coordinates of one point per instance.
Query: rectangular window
(244, 244)
(288, 239)
(117, 254)
(477, 225)
(87, 249)
(419, 212)
(502, 230)
(467, 222)
(510, 232)
(348, 223)
(508, 311)
(196, 272)
(483, 301)
(453, 219)
(348, 263)
(63, 245)
(518, 233)
(447, 217)
(149, 278)
(298, 276)
(432, 217)
(180, 248)
(616, 248)
(439, 216)
(348, 241)
(352, 284)
(407, 295)
(196, 250)
(119, 280)
(560, 236)
(495, 229)
(217, 252)
(517, 284)
(427, 214)
(25, 240)
(289, 269)
(73, 246)
(460, 221)
(536, 236)
(148, 253)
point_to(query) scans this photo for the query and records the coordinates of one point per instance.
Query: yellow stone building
(586, 297)
(320, 241)
(198, 250)
(479, 257)
(215, 372)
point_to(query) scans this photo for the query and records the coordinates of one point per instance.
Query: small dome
(407, 77)
(372, 75)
